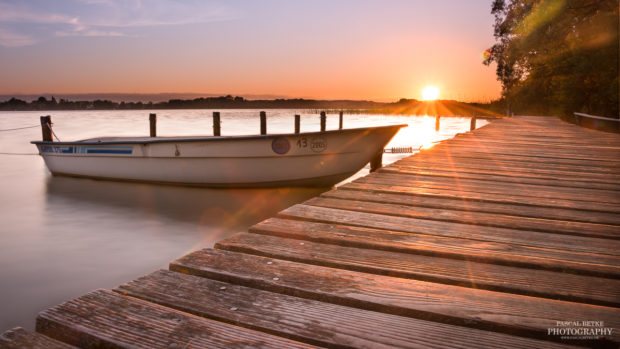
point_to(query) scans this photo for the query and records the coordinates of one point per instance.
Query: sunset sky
(333, 49)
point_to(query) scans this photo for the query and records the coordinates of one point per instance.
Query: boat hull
(311, 159)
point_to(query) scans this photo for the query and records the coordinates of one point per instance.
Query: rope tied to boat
(3, 153)
(49, 124)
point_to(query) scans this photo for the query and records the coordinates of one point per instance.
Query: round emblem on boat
(280, 145)
(318, 145)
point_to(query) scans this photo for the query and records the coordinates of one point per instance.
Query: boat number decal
(302, 143)
(280, 145)
(318, 145)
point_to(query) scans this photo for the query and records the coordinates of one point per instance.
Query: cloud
(11, 39)
(22, 14)
(88, 32)
(28, 22)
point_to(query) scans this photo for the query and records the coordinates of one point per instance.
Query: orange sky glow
(375, 50)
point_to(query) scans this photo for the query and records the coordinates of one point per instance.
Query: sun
(430, 93)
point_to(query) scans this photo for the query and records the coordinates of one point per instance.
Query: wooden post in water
(216, 123)
(323, 121)
(263, 123)
(376, 162)
(437, 122)
(297, 123)
(46, 128)
(153, 124)
(340, 120)
(472, 123)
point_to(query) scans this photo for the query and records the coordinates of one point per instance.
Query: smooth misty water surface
(61, 237)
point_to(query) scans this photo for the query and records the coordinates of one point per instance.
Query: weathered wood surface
(482, 309)
(106, 319)
(539, 283)
(458, 248)
(554, 213)
(509, 176)
(307, 320)
(19, 338)
(591, 196)
(485, 240)
(601, 257)
(478, 218)
(486, 197)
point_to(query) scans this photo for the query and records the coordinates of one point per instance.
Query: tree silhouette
(557, 56)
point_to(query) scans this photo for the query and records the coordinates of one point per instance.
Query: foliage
(557, 56)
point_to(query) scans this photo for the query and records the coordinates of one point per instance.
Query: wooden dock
(507, 236)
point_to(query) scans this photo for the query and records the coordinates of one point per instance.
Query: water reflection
(225, 210)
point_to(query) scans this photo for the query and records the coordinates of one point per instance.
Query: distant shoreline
(403, 106)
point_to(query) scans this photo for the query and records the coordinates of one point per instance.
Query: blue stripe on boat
(108, 151)
(86, 150)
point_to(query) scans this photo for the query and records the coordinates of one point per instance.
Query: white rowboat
(305, 159)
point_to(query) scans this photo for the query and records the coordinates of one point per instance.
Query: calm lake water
(62, 237)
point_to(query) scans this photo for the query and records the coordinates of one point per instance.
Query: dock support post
(437, 122)
(376, 162)
(472, 123)
(153, 124)
(263, 123)
(323, 121)
(297, 123)
(216, 123)
(46, 128)
(340, 120)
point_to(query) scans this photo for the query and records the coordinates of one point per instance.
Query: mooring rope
(19, 128)
(54, 133)
(2, 153)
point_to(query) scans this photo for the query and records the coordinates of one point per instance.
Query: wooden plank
(106, 319)
(307, 320)
(583, 261)
(453, 229)
(501, 312)
(533, 152)
(548, 141)
(19, 338)
(579, 195)
(504, 176)
(522, 158)
(510, 143)
(595, 171)
(429, 245)
(546, 131)
(480, 218)
(468, 140)
(483, 197)
(538, 283)
(573, 215)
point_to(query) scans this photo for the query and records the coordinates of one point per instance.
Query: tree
(557, 56)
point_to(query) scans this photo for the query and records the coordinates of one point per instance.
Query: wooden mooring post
(263, 123)
(297, 123)
(323, 121)
(376, 162)
(437, 122)
(216, 123)
(153, 124)
(472, 123)
(46, 128)
(340, 120)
